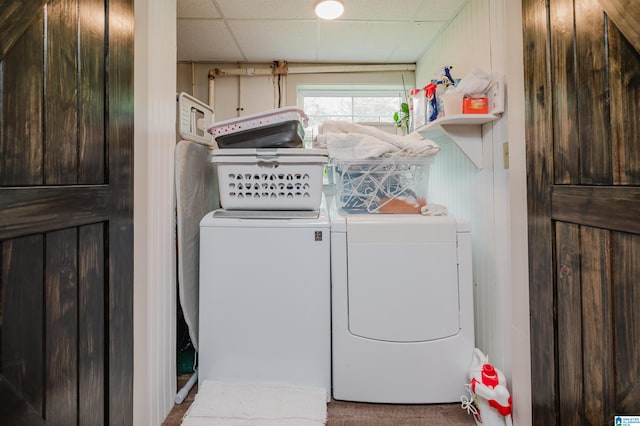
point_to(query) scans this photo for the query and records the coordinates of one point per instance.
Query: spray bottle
(432, 103)
(490, 400)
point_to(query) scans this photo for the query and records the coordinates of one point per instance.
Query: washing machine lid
(402, 277)
(267, 218)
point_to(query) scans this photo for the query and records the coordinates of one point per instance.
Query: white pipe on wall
(193, 79)
(239, 108)
(212, 78)
(316, 69)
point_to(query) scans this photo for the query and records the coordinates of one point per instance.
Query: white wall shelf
(463, 129)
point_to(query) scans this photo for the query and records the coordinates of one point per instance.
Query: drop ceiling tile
(439, 10)
(206, 40)
(267, 9)
(293, 41)
(371, 41)
(197, 9)
(374, 31)
(381, 10)
(417, 37)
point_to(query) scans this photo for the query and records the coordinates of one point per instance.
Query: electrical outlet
(505, 155)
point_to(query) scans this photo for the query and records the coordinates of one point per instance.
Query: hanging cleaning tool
(490, 400)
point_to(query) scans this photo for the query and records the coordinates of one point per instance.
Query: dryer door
(402, 277)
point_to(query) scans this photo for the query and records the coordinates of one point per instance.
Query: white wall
(518, 244)
(154, 309)
(487, 34)
(256, 93)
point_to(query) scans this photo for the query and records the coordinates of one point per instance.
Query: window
(357, 104)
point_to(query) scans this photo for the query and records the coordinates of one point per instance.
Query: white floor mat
(240, 404)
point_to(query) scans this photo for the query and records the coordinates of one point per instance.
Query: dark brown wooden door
(66, 232)
(582, 83)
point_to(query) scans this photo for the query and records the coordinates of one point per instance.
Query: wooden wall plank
(565, 119)
(597, 325)
(61, 327)
(14, 409)
(626, 17)
(625, 254)
(16, 18)
(21, 138)
(602, 207)
(569, 324)
(61, 93)
(91, 167)
(624, 80)
(593, 94)
(539, 153)
(21, 309)
(120, 156)
(44, 208)
(91, 274)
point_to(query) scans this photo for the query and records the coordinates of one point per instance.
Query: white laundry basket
(270, 179)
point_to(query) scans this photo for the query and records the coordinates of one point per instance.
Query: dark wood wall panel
(583, 199)
(565, 116)
(61, 327)
(626, 256)
(66, 214)
(593, 93)
(627, 17)
(92, 97)
(56, 281)
(41, 209)
(16, 17)
(61, 93)
(91, 274)
(597, 328)
(611, 207)
(21, 314)
(625, 92)
(539, 153)
(569, 318)
(21, 110)
(120, 137)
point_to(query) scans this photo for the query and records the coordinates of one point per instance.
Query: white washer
(265, 298)
(402, 307)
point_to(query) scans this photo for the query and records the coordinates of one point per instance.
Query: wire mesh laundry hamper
(383, 185)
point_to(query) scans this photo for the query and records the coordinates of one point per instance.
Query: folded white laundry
(350, 141)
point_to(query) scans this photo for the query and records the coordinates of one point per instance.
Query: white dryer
(402, 307)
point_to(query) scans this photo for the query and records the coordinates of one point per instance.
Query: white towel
(242, 404)
(350, 141)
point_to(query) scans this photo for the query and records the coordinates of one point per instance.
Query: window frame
(353, 91)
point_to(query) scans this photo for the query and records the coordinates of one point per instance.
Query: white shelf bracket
(463, 129)
(468, 139)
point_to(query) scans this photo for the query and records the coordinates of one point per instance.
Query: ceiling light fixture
(329, 9)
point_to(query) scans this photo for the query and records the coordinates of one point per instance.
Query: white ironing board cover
(196, 195)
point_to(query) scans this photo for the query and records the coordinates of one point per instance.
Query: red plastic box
(475, 106)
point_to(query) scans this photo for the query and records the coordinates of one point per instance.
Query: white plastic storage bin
(382, 185)
(253, 121)
(270, 179)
